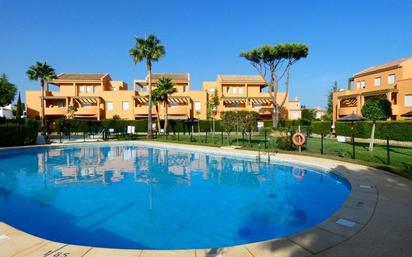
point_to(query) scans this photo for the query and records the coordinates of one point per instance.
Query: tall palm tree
(151, 50)
(164, 88)
(156, 102)
(43, 73)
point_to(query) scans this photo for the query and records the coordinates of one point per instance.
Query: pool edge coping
(362, 190)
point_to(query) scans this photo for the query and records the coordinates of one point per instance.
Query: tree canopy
(149, 49)
(41, 72)
(330, 98)
(7, 91)
(273, 63)
(275, 56)
(164, 88)
(377, 109)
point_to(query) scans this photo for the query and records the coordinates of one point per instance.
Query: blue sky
(204, 38)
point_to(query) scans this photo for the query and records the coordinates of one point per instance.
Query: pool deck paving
(375, 220)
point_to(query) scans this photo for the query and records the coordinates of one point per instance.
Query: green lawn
(400, 157)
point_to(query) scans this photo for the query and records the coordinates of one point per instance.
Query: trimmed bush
(13, 134)
(395, 130)
(321, 127)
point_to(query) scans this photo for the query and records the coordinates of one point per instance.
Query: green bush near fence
(395, 130)
(22, 133)
(321, 127)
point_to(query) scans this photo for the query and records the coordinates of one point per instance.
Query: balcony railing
(55, 110)
(87, 110)
(347, 110)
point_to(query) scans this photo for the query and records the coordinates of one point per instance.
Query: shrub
(321, 127)
(395, 130)
(13, 134)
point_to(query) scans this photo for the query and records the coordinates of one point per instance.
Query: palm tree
(150, 50)
(156, 101)
(164, 88)
(44, 73)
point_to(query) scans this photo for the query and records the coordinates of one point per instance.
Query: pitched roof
(81, 76)
(173, 76)
(392, 64)
(242, 78)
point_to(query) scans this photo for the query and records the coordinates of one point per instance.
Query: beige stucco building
(392, 81)
(97, 96)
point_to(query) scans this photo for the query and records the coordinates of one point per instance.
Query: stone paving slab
(277, 248)
(103, 252)
(43, 249)
(316, 239)
(224, 252)
(177, 253)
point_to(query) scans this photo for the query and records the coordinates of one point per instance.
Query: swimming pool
(131, 196)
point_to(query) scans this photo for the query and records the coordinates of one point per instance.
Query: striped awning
(179, 99)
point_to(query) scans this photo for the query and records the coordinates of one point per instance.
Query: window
(358, 85)
(363, 84)
(240, 90)
(212, 89)
(408, 101)
(198, 106)
(391, 79)
(377, 82)
(184, 89)
(82, 89)
(125, 106)
(90, 89)
(109, 106)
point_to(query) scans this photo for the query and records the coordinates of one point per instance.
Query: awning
(407, 114)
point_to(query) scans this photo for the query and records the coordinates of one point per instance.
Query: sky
(204, 38)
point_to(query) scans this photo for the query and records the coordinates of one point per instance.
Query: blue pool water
(128, 196)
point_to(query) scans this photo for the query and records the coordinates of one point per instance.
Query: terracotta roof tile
(81, 76)
(382, 66)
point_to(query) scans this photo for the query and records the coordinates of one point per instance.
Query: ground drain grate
(4, 238)
(346, 223)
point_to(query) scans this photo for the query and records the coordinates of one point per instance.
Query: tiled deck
(375, 220)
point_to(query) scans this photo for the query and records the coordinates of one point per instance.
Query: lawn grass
(400, 157)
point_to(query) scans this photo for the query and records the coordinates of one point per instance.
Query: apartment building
(392, 81)
(249, 92)
(97, 96)
(185, 103)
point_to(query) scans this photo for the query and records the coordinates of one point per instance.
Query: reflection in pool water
(126, 196)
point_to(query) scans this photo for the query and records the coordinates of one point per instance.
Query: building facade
(249, 93)
(392, 81)
(97, 96)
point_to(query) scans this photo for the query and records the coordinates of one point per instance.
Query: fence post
(206, 137)
(387, 150)
(84, 136)
(265, 139)
(321, 143)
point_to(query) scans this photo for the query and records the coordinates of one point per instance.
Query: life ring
(298, 139)
(298, 173)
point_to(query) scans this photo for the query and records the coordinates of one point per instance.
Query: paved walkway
(375, 220)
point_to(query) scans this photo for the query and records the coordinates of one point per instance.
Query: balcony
(347, 110)
(179, 110)
(86, 111)
(61, 111)
(141, 111)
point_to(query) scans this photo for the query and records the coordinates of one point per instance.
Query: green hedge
(395, 130)
(321, 127)
(13, 134)
(294, 123)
